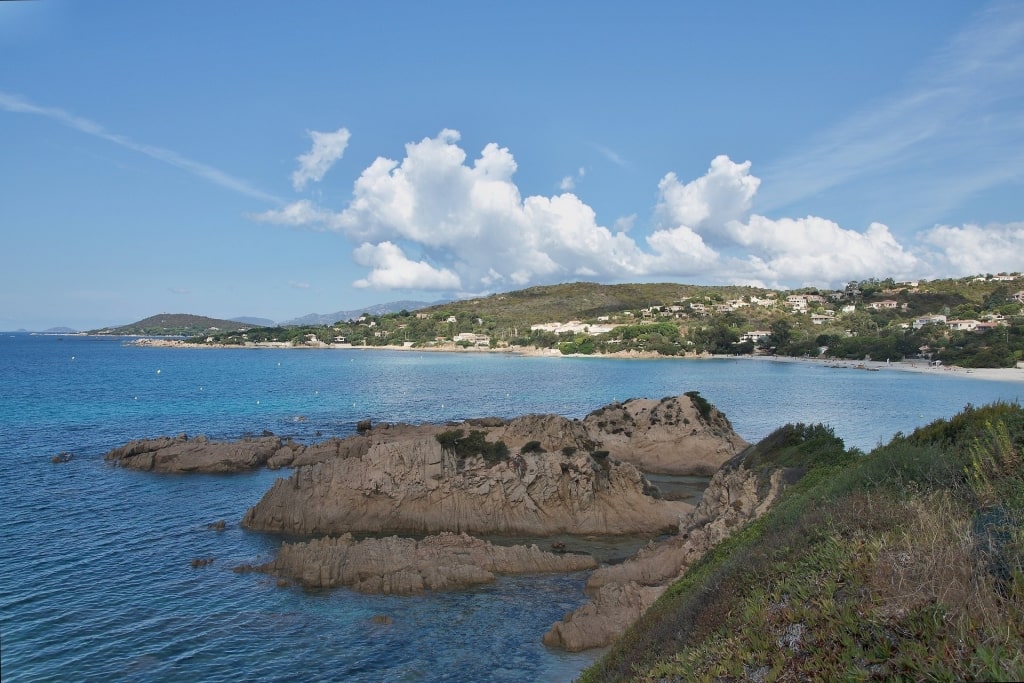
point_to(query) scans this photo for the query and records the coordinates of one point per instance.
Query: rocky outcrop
(676, 435)
(404, 566)
(620, 593)
(426, 479)
(180, 454)
(679, 435)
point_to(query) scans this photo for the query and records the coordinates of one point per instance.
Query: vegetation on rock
(475, 444)
(903, 564)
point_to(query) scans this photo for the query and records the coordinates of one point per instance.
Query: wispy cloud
(611, 155)
(19, 105)
(945, 124)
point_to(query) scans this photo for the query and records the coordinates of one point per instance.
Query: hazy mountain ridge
(377, 309)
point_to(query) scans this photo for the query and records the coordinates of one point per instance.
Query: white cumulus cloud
(975, 249)
(710, 202)
(314, 164)
(392, 269)
(474, 232)
(815, 250)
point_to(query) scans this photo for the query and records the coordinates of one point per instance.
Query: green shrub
(700, 403)
(449, 439)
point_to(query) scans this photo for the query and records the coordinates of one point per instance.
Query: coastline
(989, 374)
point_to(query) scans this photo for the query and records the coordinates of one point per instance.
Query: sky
(276, 159)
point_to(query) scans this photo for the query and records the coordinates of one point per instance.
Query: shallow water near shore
(96, 581)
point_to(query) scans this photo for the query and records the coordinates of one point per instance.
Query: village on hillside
(972, 322)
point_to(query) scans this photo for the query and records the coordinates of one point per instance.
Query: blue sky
(275, 159)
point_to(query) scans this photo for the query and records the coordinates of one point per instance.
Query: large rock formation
(676, 435)
(180, 454)
(403, 566)
(620, 593)
(465, 478)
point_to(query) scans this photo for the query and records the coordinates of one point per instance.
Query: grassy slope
(903, 564)
(580, 300)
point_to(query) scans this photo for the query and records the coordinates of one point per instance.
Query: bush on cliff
(475, 444)
(700, 403)
(904, 564)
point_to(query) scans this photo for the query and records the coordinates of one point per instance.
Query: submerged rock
(180, 454)
(404, 566)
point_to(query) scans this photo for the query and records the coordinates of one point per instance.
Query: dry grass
(908, 565)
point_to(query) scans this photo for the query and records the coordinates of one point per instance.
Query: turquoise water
(96, 580)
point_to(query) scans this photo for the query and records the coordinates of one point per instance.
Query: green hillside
(906, 564)
(583, 300)
(176, 324)
(867, 320)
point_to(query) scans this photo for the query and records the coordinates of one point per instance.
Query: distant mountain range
(255, 322)
(378, 309)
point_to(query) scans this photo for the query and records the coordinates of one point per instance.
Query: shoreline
(989, 374)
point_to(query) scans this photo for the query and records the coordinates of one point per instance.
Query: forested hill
(584, 300)
(176, 324)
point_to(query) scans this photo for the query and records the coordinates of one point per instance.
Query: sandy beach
(991, 374)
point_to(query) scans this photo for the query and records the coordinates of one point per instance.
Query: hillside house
(797, 303)
(963, 325)
(473, 339)
(929, 320)
(756, 336)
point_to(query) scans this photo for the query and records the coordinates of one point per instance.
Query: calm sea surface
(96, 582)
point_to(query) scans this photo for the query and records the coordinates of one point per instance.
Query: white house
(887, 303)
(474, 339)
(963, 325)
(928, 320)
(755, 336)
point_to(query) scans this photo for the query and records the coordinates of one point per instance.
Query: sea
(96, 575)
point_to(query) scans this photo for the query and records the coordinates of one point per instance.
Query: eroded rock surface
(404, 566)
(401, 479)
(180, 454)
(676, 435)
(620, 593)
